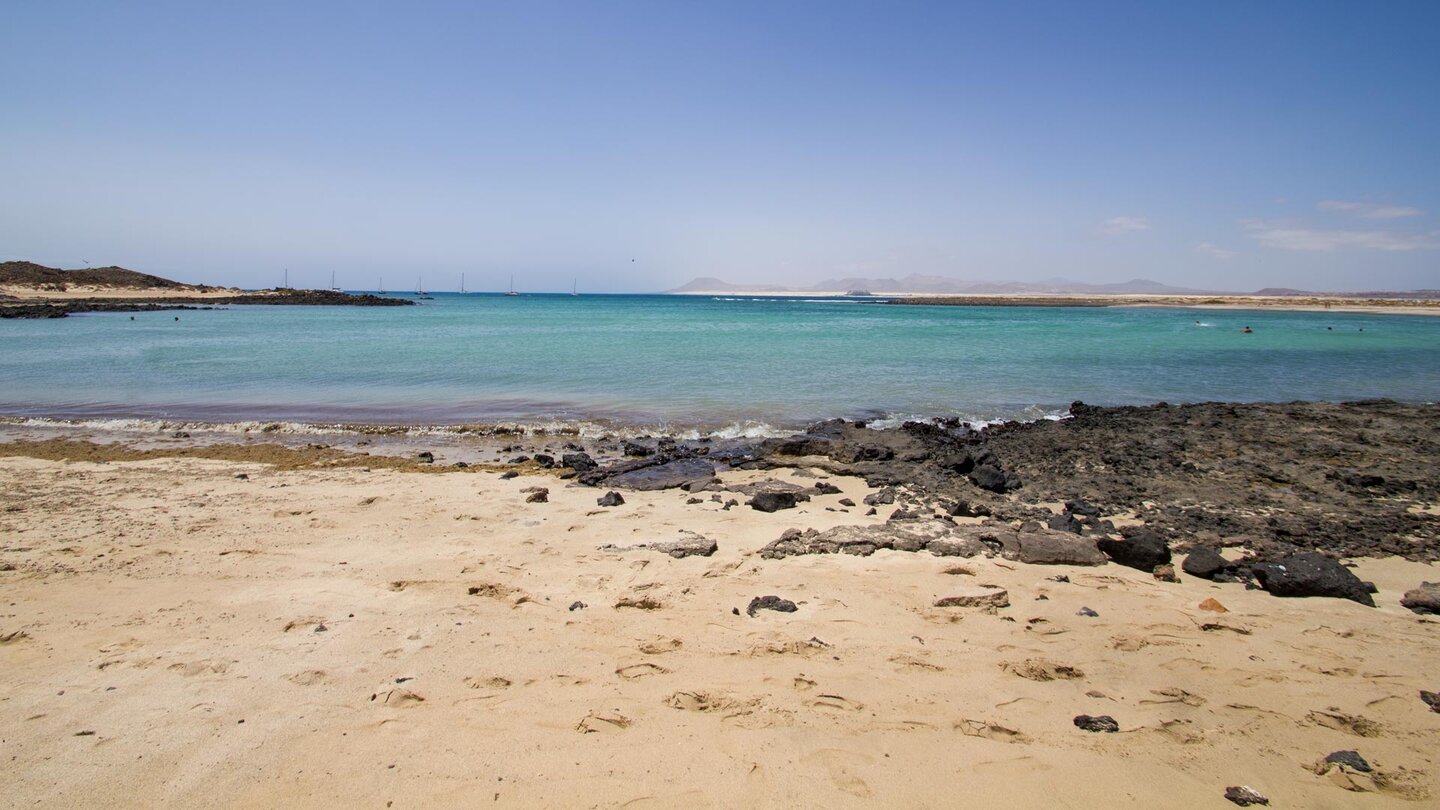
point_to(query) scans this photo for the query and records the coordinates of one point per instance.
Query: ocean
(723, 365)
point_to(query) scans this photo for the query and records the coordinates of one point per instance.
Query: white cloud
(1120, 225)
(1215, 251)
(1370, 210)
(1285, 235)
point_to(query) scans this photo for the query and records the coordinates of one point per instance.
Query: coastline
(190, 599)
(1307, 303)
(41, 304)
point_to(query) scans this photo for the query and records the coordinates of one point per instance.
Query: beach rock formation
(611, 498)
(1424, 599)
(1141, 549)
(1311, 574)
(1044, 547)
(937, 536)
(976, 597)
(689, 544)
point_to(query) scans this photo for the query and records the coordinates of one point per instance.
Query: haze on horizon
(636, 145)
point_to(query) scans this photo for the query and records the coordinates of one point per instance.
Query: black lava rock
(1101, 724)
(773, 501)
(1311, 574)
(426, 457)
(1142, 550)
(544, 461)
(579, 462)
(611, 498)
(1204, 563)
(771, 603)
(1350, 759)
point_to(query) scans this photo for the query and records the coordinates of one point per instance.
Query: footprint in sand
(905, 662)
(1041, 670)
(660, 645)
(987, 730)
(640, 670)
(842, 767)
(487, 683)
(309, 677)
(397, 698)
(598, 722)
(836, 703)
(208, 667)
(803, 684)
(1340, 721)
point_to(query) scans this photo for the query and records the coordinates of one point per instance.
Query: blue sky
(635, 145)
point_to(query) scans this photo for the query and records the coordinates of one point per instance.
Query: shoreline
(1307, 303)
(42, 305)
(285, 619)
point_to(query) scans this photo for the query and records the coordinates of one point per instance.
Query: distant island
(30, 290)
(917, 289)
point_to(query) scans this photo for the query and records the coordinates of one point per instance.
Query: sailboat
(420, 290)
(575, 287)
(382, 285)
(333, 288)
(512, 287)
(462, 283)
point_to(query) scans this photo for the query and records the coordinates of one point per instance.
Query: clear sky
(635, 145)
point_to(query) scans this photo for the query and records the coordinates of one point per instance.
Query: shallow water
(671, 362)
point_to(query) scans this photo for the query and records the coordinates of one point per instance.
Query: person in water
(1247, 330)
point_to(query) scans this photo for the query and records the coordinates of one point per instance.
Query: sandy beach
(250, 626)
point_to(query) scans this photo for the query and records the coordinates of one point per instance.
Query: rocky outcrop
(937, 536)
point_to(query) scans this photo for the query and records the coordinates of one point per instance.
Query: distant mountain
(916, 283)
(30, 274)
(710, 284)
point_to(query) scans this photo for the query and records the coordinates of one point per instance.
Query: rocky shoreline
(33, 309)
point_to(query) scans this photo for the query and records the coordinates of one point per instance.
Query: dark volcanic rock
(1424, 599)
(1432, 699)
(426, 457)
(690, 473)
(611, 498)
(1204, 563)
(1143, 550)
(773, 501)
(635, 450)
(826, 488)
(544, 461)
(1350, 759)
(771, 603)
(1050, 548)
(1311, 574)
(992, 478)
(1101, 723)
(537, 494)
(579, 462)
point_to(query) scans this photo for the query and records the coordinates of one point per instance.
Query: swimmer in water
(1247, 330)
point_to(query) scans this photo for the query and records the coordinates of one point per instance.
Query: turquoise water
(672, 361)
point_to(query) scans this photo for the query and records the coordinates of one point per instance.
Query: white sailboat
(462, 283)
(382, 285)
(512, 287)
(575, 287)
(333, 288)
(419, 286)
